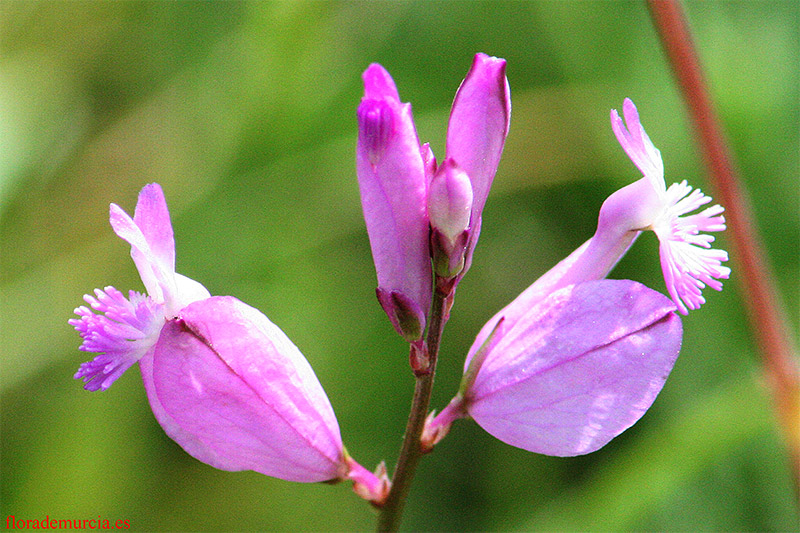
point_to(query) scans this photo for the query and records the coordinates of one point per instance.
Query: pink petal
(157, 277)
(479, 122)
(233, 383)
(150, 235)
(476, 133)
(637, 145)
(392, 182)
(188, 441)
(578, 369)
(152, 218)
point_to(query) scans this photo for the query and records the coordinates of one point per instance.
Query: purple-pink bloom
(688, 262)
(575, 359)
(125, 330)
(394, 173)
(223, 381)
(574, 371)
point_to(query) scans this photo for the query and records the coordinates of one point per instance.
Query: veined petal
(578, 369)
(232, 382)
(122, 333)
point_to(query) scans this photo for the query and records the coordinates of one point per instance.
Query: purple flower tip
(375, 128)
(378, 84)
(122, 333)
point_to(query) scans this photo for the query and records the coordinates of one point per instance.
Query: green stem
(767, 317)
(411, 452)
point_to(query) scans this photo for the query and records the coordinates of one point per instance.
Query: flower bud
(477, 130)
(407, 317)
(392, 182)
(449, 211)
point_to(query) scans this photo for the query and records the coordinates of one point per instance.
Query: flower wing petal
(580, 368)
(232, 379)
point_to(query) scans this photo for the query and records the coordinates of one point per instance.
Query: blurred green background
(245, 113)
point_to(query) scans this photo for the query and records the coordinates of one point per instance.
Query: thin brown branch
(766, 315)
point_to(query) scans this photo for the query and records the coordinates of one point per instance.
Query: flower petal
(157, 277)
(477, 130)
(229, 378)
(392, 183)
(152, 218)
(479, 122)
(150, 235)
(578, 369)
(637, 145)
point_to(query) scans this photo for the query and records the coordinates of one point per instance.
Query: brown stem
(411, 451)
(766, 315)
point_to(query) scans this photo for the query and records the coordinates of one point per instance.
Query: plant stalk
(767, 317)
(411, 451)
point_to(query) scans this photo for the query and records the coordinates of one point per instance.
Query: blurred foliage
(245, 113)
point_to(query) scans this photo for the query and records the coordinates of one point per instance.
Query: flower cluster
(415, 208)
(565, 367)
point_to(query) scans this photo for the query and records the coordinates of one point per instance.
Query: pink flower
(223, 381)
(575, 359)
(395, 172)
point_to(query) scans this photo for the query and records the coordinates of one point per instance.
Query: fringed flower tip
(687, 259)
(688, 262)
(121, 330)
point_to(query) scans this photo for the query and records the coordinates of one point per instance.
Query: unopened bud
(406, 316)
(450, 200)
(449, 211)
